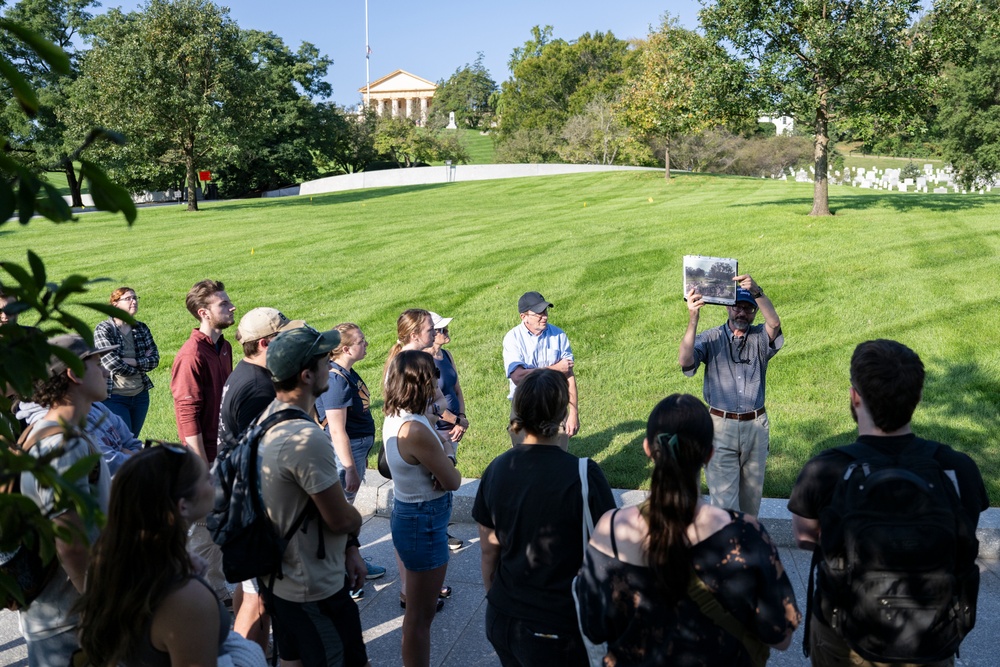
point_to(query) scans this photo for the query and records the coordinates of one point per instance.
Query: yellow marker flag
(650, 200)
(251, 251)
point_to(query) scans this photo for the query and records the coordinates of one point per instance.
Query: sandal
(439, 607)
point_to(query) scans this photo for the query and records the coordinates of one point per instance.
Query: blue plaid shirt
(146, 353)
(735, 366)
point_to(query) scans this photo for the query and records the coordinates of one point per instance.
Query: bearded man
(735, 355)
(197, 377)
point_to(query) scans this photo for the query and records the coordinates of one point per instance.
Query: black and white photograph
(711, 277)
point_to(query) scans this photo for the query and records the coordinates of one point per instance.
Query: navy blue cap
(745, 296)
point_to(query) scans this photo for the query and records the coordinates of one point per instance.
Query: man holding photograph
(735, 357)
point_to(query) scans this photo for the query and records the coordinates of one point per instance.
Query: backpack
(898, 555)
(24, 565)
(251, 547)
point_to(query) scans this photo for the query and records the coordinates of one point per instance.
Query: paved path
(458, 638)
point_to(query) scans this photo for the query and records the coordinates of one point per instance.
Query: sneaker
(374, 571)
(358, 594)
(454, 543)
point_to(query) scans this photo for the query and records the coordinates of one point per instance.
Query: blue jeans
(132, 409)
(359, 452)
(420, 532)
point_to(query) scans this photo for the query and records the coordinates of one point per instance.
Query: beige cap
(263, 322)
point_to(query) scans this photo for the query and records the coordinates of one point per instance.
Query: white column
(395, 107)
(423, 110)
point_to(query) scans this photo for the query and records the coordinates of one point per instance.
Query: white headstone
(451, 121)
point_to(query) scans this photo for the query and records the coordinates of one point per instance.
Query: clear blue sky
(433, 38)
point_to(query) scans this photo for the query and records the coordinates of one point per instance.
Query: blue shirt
(523, 348)
(735, 366)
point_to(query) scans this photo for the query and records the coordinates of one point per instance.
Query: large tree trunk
(821, 153)
(74, 186)
(192, 181)
(666, 158)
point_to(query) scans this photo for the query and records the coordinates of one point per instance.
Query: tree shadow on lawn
(624, 461)
(901, 202)
(342, 197)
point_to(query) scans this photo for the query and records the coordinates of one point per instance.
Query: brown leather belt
(738, 416)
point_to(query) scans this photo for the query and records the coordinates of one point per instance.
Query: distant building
(783, 124)
(400, 94)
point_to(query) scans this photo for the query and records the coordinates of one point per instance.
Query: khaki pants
(828, 649)
(735, 475)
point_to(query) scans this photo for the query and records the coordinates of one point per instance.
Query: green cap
(291, 350)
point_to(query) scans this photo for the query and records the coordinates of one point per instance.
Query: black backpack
(898, 556)
(251, 547)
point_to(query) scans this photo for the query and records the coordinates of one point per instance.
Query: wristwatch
(759, 293)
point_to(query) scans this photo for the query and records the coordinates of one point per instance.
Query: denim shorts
(420, 533)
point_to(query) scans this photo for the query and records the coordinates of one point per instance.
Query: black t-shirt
(531, 497)
(247, 392)
(815, 486)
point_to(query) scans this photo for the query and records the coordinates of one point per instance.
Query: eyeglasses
(544, 313)
(443, 331)
(129, 298)
(744, 307)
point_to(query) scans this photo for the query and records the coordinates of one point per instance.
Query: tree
(294, 127)
(970, 115)
(400, 140)
(43, 141)
(348, 140)
(596, 136)
(24, 351)
(178, 80)
(470, 93)
(819, 61)
(684, 85)
(552, 80)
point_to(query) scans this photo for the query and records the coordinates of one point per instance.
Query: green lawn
(480, 146)
(606, 249)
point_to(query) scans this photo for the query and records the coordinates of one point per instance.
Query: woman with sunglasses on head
(137, 355)
(530, 512)
(424, 475)
(145, 603)
(647, 564)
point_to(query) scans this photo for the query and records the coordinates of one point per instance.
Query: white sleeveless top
(411, 483)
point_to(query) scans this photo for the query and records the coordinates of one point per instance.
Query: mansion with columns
(399, 94)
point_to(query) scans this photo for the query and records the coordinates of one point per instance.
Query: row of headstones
(889, 179)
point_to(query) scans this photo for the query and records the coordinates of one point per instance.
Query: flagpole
(368, 53)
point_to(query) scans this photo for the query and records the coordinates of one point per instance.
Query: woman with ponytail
(636, 589)
(529, 508)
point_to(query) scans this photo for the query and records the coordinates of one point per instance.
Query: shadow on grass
(963, 392)
(901, 202)
(345, 196)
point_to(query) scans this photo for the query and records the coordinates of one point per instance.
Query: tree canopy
(470, 93)
(862, 62)
(179, 79)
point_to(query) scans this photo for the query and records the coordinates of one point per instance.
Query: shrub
(722, 152)
(527, 146)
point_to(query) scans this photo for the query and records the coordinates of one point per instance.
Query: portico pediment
(398, 83)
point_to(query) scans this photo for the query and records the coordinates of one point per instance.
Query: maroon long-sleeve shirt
(199, 372)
